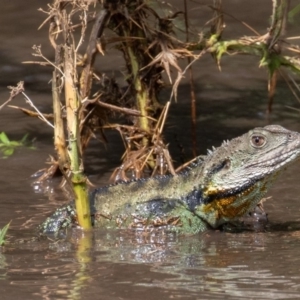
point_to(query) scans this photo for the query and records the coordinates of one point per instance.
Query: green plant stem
(142, 95)
(258, 48)
(78, 177)
(59, 134)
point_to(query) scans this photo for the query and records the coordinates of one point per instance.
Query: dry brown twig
(19, 89)
(15, 91)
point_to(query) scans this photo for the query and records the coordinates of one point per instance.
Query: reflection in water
(76, 270)
(83, 255)
(214, 264)
(3, 266)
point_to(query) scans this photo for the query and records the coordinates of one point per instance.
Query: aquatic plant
(3, 232)
(8, 147)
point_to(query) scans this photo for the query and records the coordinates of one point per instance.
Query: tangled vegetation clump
(86, 100)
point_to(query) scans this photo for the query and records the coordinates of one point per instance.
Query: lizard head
(238, 174)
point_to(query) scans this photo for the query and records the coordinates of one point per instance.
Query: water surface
(127, 265)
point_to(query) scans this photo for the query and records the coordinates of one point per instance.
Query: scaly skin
(219, 188)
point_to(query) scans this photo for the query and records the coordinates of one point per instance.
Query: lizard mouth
(279, 161)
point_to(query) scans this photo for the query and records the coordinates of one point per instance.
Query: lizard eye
(258, 141)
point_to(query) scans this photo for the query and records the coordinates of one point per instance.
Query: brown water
(118, 265)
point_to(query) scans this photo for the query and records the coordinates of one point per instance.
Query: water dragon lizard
(216, 189)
